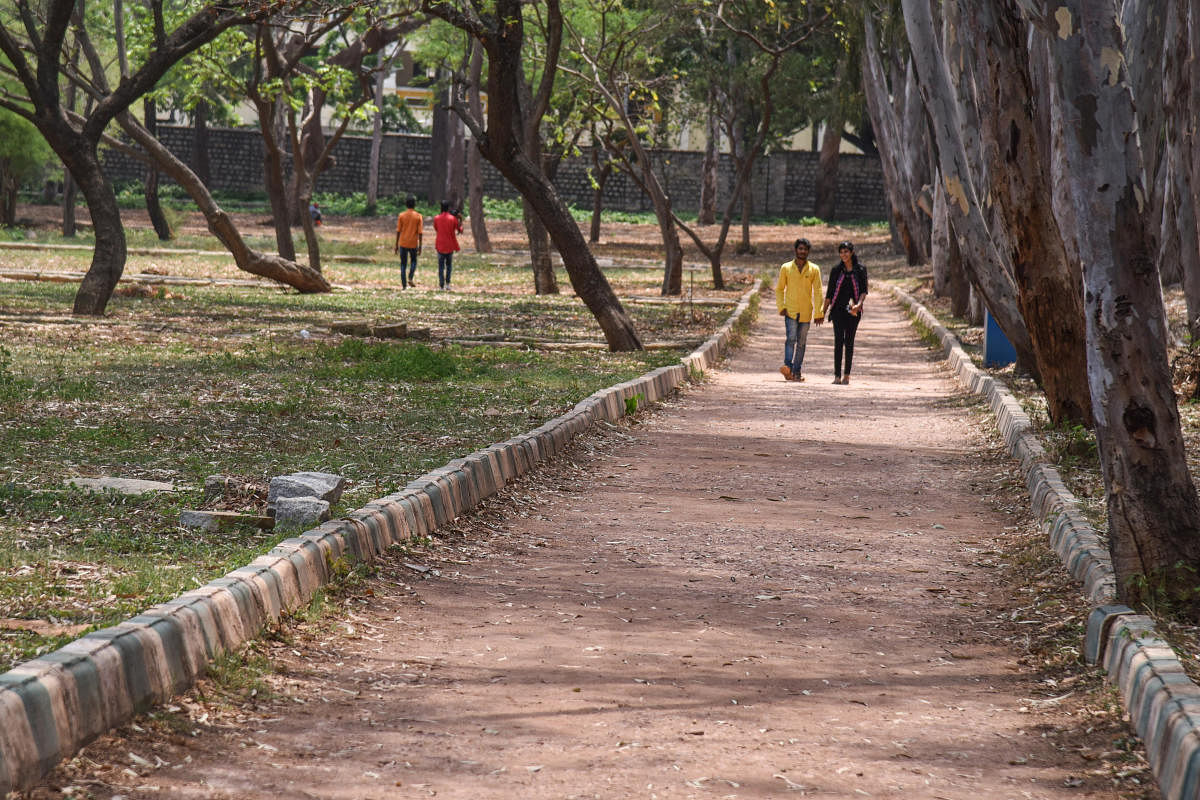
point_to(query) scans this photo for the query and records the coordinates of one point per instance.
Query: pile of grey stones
(294, 502)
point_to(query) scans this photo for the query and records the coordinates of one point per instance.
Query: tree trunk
(298, 276)
(949, 280)
(744, 245)
(108, 257)
(1049, 288)
(707, 214)
(827, 171)
(503, 144)
(915, 141)
(888, 139)
(1191, 267)
(587, 279)
(376, 141)
(275, 180)
(1153, 509)
(153, 206)
(540, 257)
(8, 194)
(601, 174)
(439, 151)
(456, 167)
(984, 264)
(479, 231)
(70, 188)
(201, 162)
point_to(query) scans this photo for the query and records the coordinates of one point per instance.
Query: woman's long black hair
(853, 255)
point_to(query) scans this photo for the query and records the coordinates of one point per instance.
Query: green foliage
(632, 403)
(24, 154)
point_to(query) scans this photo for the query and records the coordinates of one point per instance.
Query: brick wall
(783, 181)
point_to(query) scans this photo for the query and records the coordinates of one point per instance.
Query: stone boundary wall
(783, 182)
(54, 704)
(1162, 702)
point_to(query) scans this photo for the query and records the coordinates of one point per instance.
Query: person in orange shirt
(447, 226)
(408, 241)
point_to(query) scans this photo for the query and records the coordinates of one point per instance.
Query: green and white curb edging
(1162, 702)
(52, 705)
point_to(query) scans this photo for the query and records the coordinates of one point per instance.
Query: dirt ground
(761, 589)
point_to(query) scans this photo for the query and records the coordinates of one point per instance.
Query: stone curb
(1162, 702)
(52, 705)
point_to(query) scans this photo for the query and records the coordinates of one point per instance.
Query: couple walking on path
(798, 297)
(709, 601)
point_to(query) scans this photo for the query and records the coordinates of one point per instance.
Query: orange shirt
(408, 225)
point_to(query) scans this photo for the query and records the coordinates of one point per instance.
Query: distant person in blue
(314, 211)
(844, 298)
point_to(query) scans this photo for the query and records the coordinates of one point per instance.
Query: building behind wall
(783, 181)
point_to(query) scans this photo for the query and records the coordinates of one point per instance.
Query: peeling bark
(1153, 508)
(988, 272)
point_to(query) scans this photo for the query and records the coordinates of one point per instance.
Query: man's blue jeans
(445, 264)
(408, 264)
(793, 347)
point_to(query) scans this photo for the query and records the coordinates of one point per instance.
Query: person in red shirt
(447, 226)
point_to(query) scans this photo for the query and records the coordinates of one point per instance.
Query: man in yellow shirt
(408, 240)
(798, 296)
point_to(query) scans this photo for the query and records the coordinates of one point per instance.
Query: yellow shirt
(799, 291)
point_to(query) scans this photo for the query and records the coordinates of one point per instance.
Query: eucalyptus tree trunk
(1190, 169)
(986, 268)
(889, 141)
(707, 214)
(479, 231)
(949, 277)
(1153, 508)
(916, 155)
(1049, 286)
(825, 203)
(376, 138)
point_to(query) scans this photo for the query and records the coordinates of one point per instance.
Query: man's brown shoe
(786, 372)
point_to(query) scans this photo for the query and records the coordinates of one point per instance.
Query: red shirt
(446, 225)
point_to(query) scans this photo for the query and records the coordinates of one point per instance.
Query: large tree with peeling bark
(992, 36)
(1153, 509)
(499, 27)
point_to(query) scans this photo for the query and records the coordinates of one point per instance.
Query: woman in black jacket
(843, 306)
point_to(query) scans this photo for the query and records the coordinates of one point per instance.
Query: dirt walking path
(767, 589)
